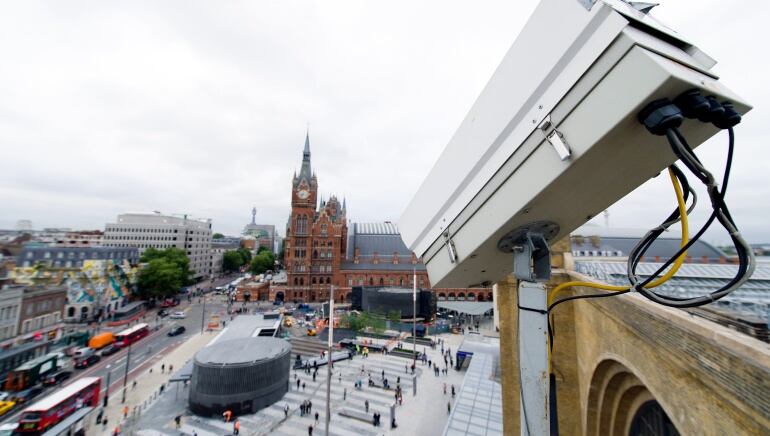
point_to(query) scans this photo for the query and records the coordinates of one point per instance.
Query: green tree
(164, 273)
(262, 262)
(245, 254)
(394, 316)
(217, 236)
(174, 255)
(160, 278)
(232, 261)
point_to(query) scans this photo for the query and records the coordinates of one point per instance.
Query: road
(158, 343)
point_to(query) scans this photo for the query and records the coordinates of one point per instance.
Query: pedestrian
(125, 412)
(170, 369)
(453, 391)
(345, 394)
(302, 409)
(303, 386)
(297, 383)
(116, 432)
(162, 368)
(383, 374)
(226, 415)
(310, 430)
(104, 423)
(366, 405)
(286, 411)
(448, 407)
(133, 385)
(316, 417)
(314, 375)
(444, 388)
(178, 421)
(237, 426)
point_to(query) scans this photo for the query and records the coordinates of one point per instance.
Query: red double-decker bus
(131, 335)
(59, 405)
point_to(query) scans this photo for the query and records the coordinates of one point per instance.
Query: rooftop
(242, 351)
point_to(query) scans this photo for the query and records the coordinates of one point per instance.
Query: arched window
(382, 281)
(71, 312)
(401, 281)
(442, 296)
(451, 296)
(324, 229)
(313, 280)
(301, 227)
(328, 280)
(301, 281)
(315, 254)
(371, 281)
(461, 296)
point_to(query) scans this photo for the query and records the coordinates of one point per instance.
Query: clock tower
(304, 194)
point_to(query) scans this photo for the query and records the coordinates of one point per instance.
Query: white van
(82, 353)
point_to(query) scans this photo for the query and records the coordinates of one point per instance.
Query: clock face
(303, 194)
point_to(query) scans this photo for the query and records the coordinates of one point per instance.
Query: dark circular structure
(241, 375)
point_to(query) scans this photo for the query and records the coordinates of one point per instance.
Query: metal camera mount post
(532, 267)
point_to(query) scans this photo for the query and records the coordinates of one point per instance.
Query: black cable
(720, 212)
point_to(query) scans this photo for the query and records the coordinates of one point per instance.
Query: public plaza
(152, 412)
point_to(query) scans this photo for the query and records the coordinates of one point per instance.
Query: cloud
(201, 108)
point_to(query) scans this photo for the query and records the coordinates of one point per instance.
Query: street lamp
(125, 378)
(329, 359)
(107, 389)
(203, 312)
(414, 318)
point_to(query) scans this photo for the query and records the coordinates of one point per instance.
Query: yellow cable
(652, 284)
(656, 282)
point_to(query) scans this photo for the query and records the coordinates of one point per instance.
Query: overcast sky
(201, 107)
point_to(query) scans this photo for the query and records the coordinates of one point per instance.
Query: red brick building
(321, 250)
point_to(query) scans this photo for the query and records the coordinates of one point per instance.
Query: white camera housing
(554, 137)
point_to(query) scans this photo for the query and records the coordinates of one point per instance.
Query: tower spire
(254, 215)
(306, 172)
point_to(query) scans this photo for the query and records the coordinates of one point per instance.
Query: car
(8, 429)
(87, 362)
(6, 406)
(175, 331)
(110, 349)
(163, 313)
(5, 396)
(178, 315)
(55, 379)
(28, 394)
(169, 302)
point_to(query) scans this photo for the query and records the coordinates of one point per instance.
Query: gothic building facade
(323, 250)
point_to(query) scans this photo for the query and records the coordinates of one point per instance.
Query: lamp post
(203, 312)
(125, 377)
(107, 389)
(414, 318)
(329, 359)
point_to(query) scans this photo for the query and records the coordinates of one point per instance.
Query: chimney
(395, 258)
(356, 254)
